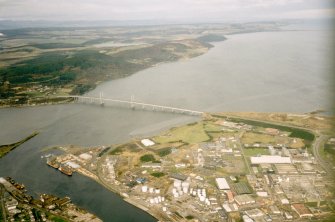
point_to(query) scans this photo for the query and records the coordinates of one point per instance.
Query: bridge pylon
(132, 105)
(102, 103)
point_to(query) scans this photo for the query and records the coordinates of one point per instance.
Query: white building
(72, 165)
(151, 165)
(230, 207)
(222, 183)
(269, 159)
(85, 156)
(147, 142)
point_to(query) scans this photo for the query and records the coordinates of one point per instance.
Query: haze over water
(267, 72)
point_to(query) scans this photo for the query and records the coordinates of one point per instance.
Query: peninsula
(5, 149)
(227, 166)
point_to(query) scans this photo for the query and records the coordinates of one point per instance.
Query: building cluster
(215, 180)
(18, 206)
(83, 161)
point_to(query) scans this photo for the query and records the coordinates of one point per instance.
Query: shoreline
(120, 194)
(10, 147)
(153, 212)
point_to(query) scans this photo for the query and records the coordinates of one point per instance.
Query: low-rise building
(85, 156)
(147, 142)
(178, 176)
(274, 209)
(152, 165)
(222, 183)
(230, 196)
(286, 169)
(269, 159)
(229, 207)
(301, 210)
(253, 213)
(244, 199)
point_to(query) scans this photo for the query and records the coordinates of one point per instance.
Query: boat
(53, 163)
(66, 170)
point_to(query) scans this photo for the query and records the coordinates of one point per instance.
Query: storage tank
(177, 183)
(144, 189)
(185, 184)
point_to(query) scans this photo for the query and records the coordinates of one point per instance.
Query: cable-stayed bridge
(132, 104)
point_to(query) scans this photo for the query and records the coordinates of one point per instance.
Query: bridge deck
(133, 104)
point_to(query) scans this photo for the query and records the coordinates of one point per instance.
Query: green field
(306, 135)
(212, 127)
(255, 151)
(192, 133)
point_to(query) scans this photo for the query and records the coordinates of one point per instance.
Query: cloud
(162, 9)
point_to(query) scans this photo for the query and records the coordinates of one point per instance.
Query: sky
(168, 10)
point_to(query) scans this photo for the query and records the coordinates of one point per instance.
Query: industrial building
(147, 142)
(269, 159)
(302, 210)
(286, 169)
(85, 156)
(244, 199)
(222, 183)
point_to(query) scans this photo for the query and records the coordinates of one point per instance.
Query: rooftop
(147, 142)
(302, 210)
(222, 183)
(269, 159)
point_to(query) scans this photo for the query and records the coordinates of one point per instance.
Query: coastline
(124, 196)
(65, 103)
(233, 116)
(43, 100)
(209, 46)
(10, 147)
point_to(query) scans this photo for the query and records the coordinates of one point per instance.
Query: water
(272, 72)
(279, 72)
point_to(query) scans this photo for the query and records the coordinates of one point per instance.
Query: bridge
(132, 104)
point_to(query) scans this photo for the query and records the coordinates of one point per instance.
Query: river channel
(285, 71)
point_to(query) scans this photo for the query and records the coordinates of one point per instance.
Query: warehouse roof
(222, 183)
(269, 159)
(147, 142)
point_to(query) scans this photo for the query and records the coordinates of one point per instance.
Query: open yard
(255, 151)
(191, 133)
(251, 138)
